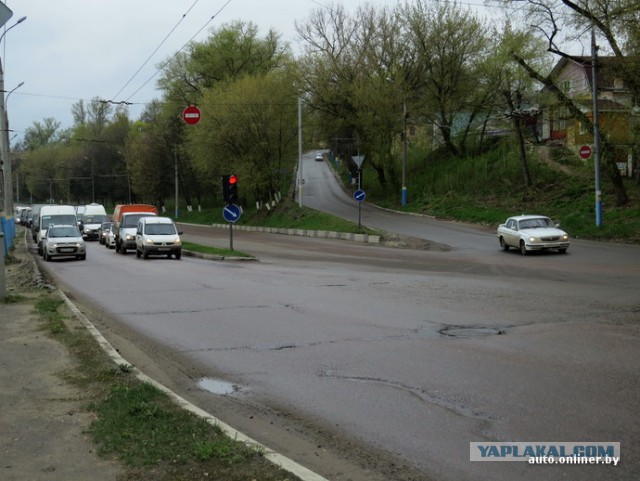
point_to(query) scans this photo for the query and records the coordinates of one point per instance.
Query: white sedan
(532, 233)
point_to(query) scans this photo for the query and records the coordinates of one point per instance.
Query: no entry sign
(191, 115)
(585, 151)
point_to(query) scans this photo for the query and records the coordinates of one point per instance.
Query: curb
(214, 257)
(321, 234)
(274, 457)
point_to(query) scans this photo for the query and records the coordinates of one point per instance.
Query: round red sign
(191, 115)
(585, 151)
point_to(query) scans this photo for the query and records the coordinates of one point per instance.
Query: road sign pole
(230, 235)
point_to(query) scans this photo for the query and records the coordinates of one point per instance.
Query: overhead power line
(180, 49)
(155, 51)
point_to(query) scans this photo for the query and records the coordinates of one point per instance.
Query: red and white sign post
(585, 151)
(191, 115)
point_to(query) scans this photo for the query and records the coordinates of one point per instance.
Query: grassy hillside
(483, 189)
(486, 189)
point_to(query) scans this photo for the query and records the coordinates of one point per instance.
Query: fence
(8, 228)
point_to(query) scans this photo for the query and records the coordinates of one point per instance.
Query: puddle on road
(471, 331)
(217, 386)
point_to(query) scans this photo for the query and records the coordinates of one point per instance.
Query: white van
(157, 236)
(92, 218)
(56, 215)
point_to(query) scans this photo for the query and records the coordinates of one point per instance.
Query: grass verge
(138, 424)
(216, 251)
(287, 214)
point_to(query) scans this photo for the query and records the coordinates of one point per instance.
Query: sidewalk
(41, 417)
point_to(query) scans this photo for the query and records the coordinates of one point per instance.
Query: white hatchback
(63, 241)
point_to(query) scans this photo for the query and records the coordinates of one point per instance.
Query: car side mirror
(179, 233)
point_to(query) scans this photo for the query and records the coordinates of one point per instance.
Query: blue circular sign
(359, 195)
(231, 212)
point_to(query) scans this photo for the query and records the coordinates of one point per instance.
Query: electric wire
(156, 50)
(179, 50)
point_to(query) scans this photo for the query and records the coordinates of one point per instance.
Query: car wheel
(138, 253)
(503, 244)
(562, 251)
(145, 254)
(523, 248)
(47, 257)
(178, 254)
(123, 250)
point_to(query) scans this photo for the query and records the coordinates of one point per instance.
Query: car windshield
(132, 220)
(57, 219)
(94, 219)
(160, 229)
(535, 223)
(64, 231)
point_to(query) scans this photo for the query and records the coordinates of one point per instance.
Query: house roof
(604, 105)
(608, 68)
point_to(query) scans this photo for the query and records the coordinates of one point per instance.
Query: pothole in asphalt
(471, 331)
(217, 386)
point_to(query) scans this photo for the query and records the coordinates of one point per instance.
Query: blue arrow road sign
(231, 213)
(359, 195)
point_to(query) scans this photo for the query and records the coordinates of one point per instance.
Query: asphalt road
(406, 354)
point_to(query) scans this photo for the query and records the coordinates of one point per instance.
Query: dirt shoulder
(42, 417)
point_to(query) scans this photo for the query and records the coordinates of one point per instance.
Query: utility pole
(300, 177)
(596, 126)
(4, 139)
(175, 156)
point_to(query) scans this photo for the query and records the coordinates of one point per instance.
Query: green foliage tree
(230, 52)
(612, 21)
(248, 127)
(353, 74)
(41, 134)
(450, 76)
(517, 90)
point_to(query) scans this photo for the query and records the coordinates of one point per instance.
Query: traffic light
(230, 188)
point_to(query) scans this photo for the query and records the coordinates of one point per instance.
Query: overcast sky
(67, 50)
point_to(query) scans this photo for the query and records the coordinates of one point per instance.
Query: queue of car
(60, 231)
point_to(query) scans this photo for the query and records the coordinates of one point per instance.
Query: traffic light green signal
(230, 188)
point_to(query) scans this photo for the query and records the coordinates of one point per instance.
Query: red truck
(125, 220)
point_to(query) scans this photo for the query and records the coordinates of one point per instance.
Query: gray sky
(67, 50)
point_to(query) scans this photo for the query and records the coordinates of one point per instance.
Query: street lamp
(20, 20)
(4, 138)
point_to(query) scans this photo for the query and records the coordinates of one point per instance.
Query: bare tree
(612, 21)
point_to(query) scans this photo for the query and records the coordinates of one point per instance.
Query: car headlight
(565, 237)
(177, 242)
(534, 239)
(129, 237)
(149, 241)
